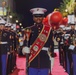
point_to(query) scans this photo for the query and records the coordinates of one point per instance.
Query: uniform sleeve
(9, 41)
(51, 41)
(26, 45)
(27, 37)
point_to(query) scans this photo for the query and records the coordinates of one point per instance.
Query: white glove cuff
(25, 50)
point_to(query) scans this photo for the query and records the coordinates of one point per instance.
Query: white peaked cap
(38, 10)
(8, 24)
(68, 28)
(61, 26)
(2, 21)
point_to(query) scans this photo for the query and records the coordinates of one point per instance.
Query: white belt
(61, 42)
(3, 42)
(45, 48)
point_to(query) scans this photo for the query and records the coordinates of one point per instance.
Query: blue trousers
(35, 71)
(68, 65)
(74, 63)
(4, 63)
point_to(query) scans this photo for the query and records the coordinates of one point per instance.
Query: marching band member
(4, 44)
(40, 42)
(72, 37)
(60, 41)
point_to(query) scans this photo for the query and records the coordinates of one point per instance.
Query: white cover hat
(38, 10)
(8, 24)
(61, 26)
(68, 28)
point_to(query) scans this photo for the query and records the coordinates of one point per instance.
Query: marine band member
(40, 40)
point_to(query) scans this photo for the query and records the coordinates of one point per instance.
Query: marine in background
(4, 46)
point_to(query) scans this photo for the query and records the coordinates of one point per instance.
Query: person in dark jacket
(4, 46)
(40, 41)
(70, 51)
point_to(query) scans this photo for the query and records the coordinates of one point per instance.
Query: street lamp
(16, 21)
(66, 10)
(10, 16)
(21, 27)
(20, 24)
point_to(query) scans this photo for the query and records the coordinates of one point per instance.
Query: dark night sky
(23, 7)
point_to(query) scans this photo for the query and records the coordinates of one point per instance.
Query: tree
(68, 5)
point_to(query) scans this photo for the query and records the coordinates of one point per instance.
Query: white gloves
(25, 50)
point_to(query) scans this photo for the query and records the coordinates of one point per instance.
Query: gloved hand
(25, 50)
